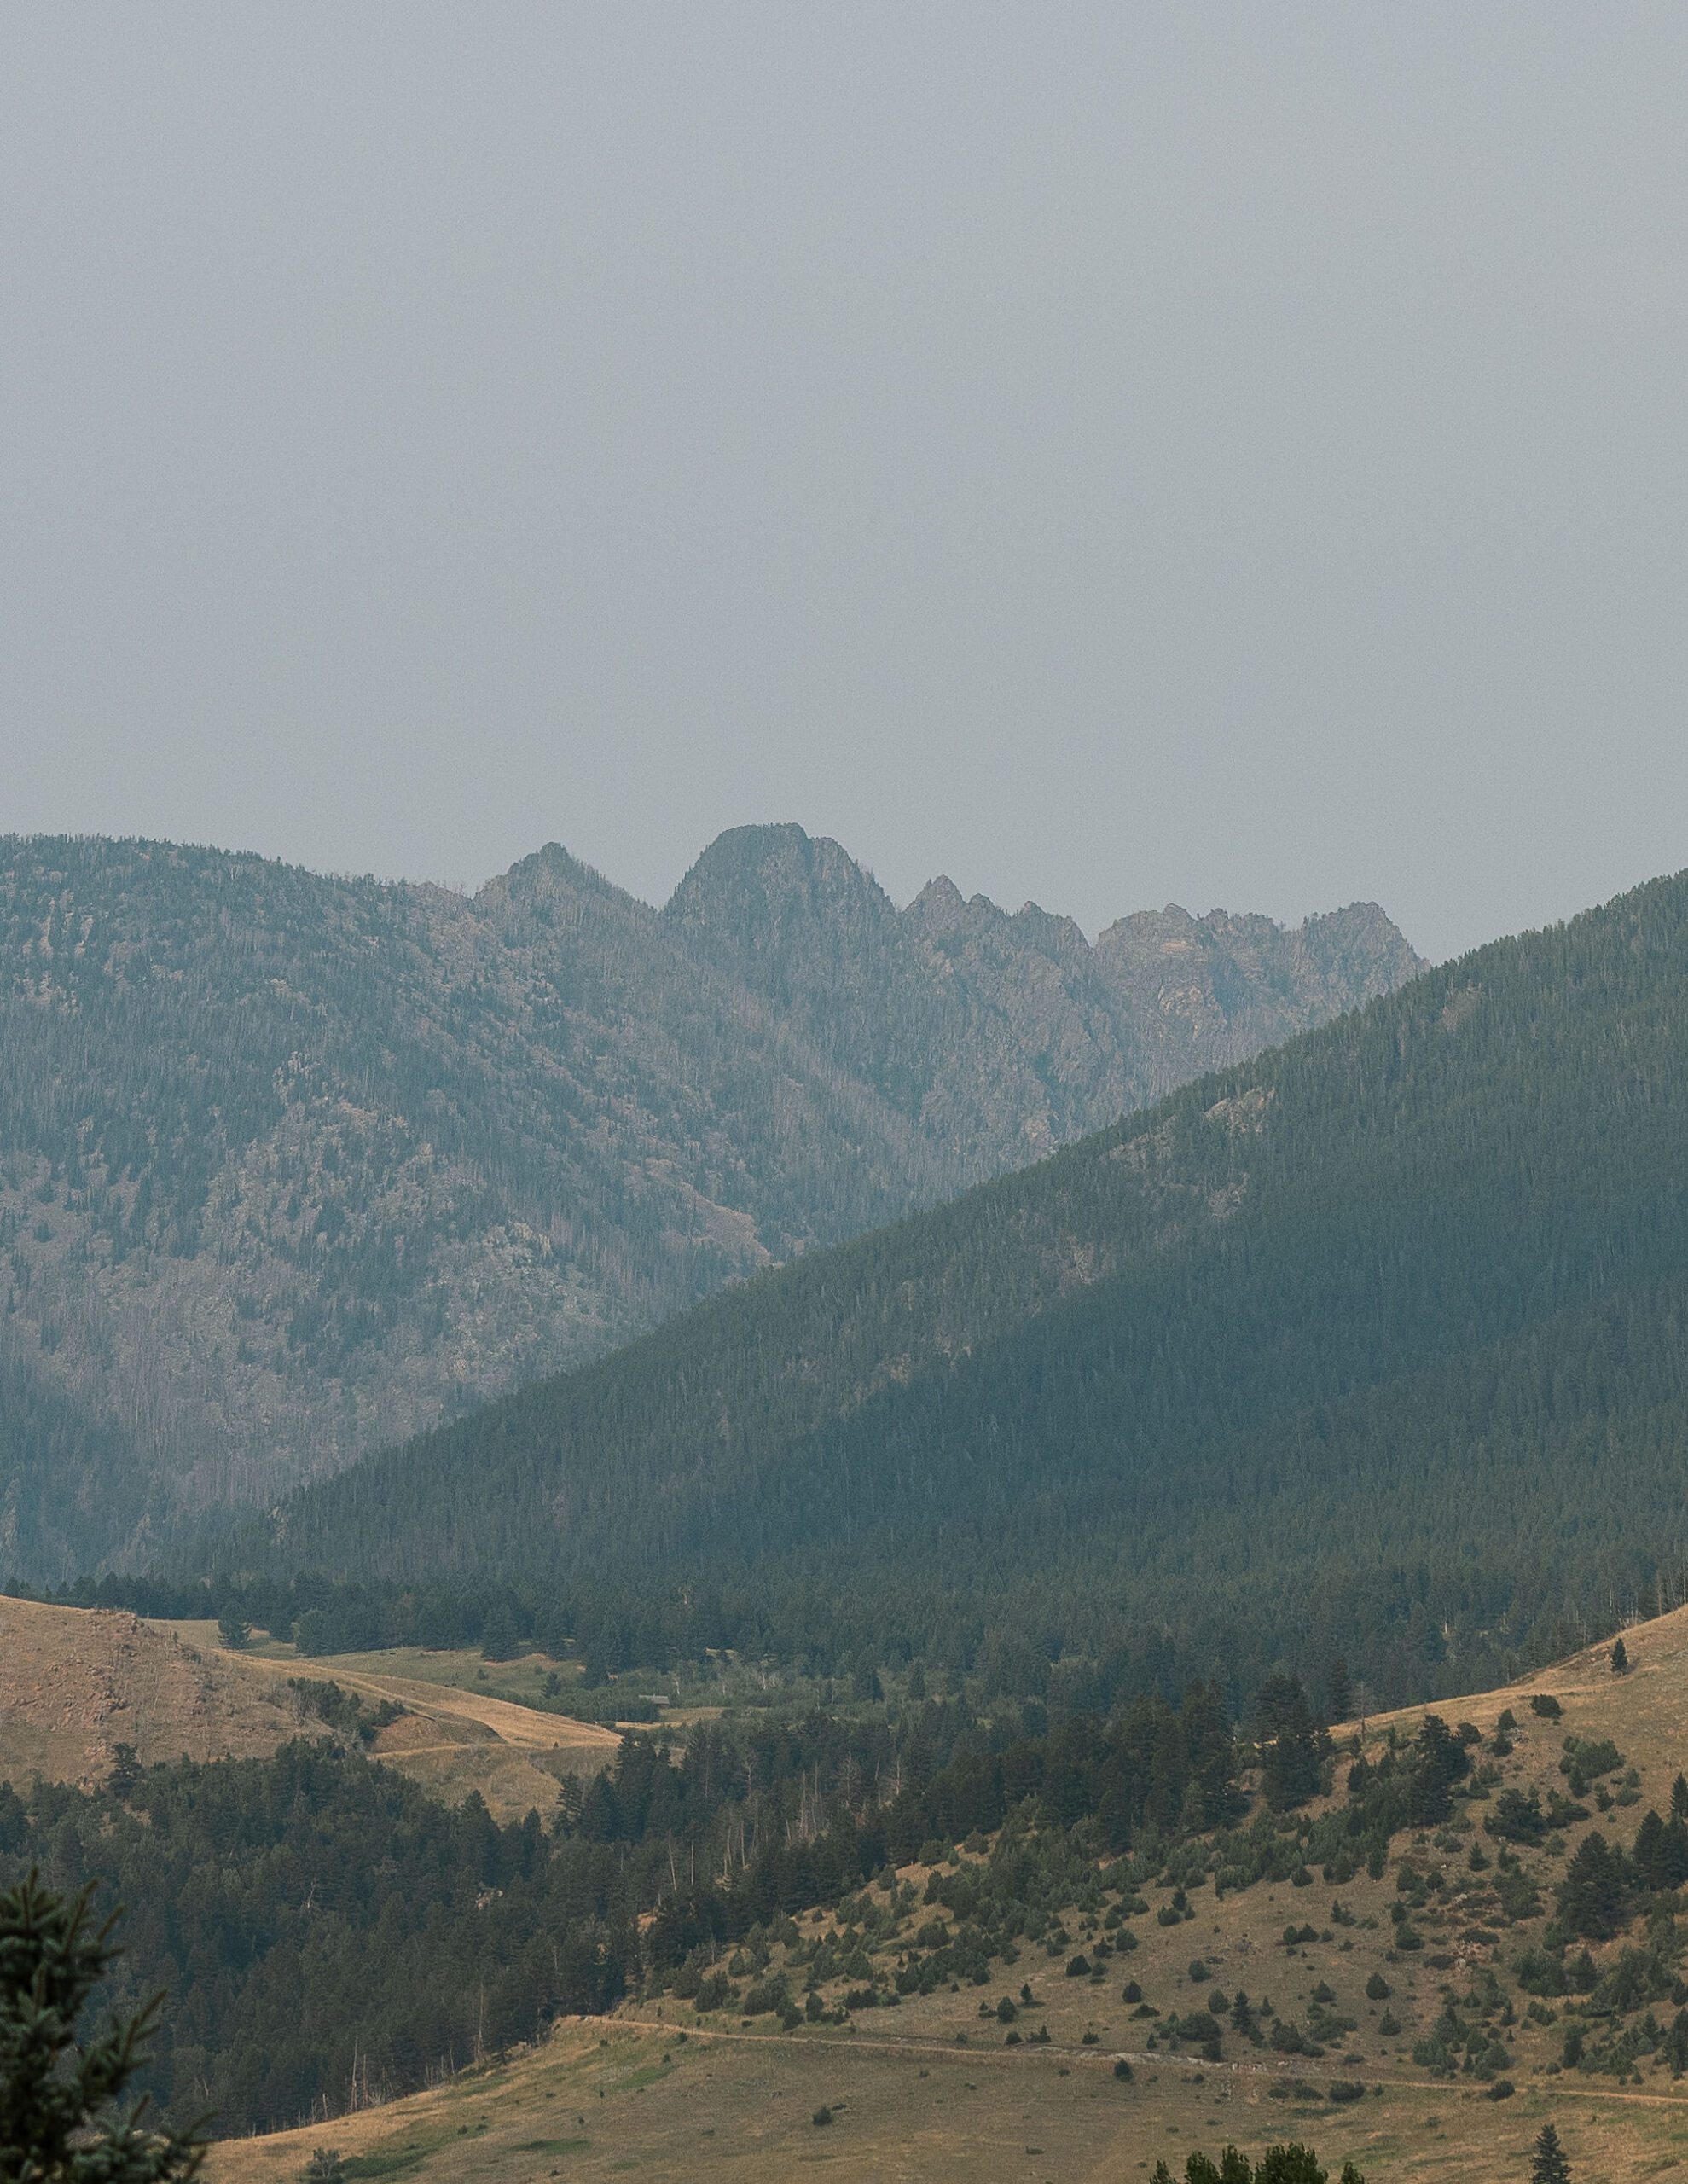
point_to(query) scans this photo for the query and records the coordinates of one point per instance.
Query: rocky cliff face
(1002, 1036)
(291, 1166)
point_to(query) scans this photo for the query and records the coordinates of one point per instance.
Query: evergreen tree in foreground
(55, 2096)
(1548, 2165)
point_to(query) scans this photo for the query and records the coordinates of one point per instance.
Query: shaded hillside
(1379, 1340)
(293, 1166)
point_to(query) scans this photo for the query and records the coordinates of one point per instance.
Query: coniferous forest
(1374, 1346)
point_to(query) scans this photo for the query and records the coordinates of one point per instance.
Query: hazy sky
(1112, 455)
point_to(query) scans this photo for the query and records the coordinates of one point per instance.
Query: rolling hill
(79, 1688)
(1377, 1344)
(293, 1166)
(1415, 2018)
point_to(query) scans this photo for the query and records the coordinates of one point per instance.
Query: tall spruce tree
(1290, 1743)
(1548, 2165)
(58, 2117)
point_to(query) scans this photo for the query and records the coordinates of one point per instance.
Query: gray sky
(1112, 455)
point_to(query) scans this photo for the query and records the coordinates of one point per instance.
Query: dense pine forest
(1374, 1346)
(293, 1166)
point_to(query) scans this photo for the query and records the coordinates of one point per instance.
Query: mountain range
(293, 1167)
(1376, 1343)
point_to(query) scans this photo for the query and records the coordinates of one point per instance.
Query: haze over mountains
(1373, 1345)
(292, 1166)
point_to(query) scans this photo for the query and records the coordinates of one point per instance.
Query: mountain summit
(1003, 1037)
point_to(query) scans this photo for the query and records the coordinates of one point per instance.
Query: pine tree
(1548, 2165)
(1293, 2163)
(1679, 1798)
(1619, 1659)
(1289, 1747)
(1231, 2168)
(1339, 1690)
(1649, 1851)
(56, 2098)
(498, 1634)
(1591, 1896)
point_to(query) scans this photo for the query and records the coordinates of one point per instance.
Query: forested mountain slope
(291, 1166)
(1383, 1337)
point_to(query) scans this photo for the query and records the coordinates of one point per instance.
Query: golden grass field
(77, 1683)
(601, 2099)
(453, 1739)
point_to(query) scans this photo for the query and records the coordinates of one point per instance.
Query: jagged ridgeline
(292, 1167)
(1377, 1342)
